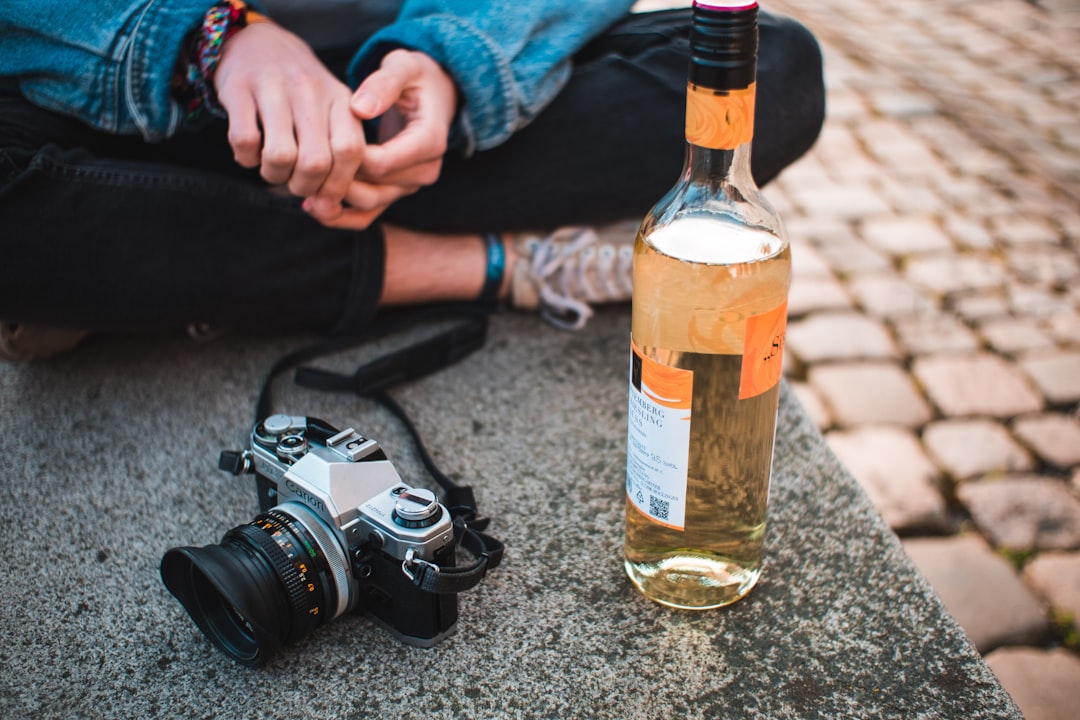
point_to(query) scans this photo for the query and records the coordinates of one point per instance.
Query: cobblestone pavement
(935, 314)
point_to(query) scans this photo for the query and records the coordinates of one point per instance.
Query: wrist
(202, 52)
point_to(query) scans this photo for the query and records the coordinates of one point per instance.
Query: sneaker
(22, 343)
(563, 274)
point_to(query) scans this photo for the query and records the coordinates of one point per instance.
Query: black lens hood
(218, 583)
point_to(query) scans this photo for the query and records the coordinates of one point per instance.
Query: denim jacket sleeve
(509, 58)
(108, 62)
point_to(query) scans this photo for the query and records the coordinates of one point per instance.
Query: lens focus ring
(329, 550)
(283, 566)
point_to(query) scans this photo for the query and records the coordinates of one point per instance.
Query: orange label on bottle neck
(763, 352)
(719, 119)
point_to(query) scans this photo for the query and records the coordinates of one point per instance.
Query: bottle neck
(719, 132)
(718, 167)
(721, 90)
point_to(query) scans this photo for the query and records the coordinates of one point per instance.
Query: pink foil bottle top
(729, 5)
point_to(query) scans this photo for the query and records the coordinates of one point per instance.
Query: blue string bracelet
(496, 268)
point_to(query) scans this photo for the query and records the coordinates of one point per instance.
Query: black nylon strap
(439, 351)
(371, 380)
(448, 580)
(408, 363)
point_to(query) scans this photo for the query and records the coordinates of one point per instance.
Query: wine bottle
(712, 268)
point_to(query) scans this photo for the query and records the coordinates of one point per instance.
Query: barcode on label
(659, 508)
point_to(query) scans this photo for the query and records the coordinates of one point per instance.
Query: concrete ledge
(110, 458)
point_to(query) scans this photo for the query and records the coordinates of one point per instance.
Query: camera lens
(268, 583)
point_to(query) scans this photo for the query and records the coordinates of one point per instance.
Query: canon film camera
(339, 531)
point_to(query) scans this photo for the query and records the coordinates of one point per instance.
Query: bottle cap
(723, 44)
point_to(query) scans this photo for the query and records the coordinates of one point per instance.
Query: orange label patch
(719, 119)
(667, 386)
(763, 352)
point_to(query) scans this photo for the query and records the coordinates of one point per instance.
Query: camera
(338, 532)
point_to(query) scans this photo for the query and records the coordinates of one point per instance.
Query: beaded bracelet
(202, 53)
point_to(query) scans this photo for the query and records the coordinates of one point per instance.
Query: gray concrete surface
(110, 458)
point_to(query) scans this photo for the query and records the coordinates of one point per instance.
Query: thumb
(377, 93)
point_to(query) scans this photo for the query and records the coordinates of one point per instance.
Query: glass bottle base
(690, 582)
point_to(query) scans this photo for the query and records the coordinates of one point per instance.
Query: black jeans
(106, 232)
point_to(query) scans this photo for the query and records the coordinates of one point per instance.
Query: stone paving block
(855, 169)
(980, 306)
(933, 333)
(1073, 291)
(968, 233)
(813, 294)
(965, 192)
(980, 589)
(1032, 197)
(1024, 512)
(839, 336)
(901, 236)
(1014, 335)
(1055, 576)
(976, 384)
(948, 273)
(1065, 327)
(849, 255)
(860, 393)
(900, 480)
(1054, 437)
(845, 105)
(836, 200)
(968, 448)
(806, 261)
(1046, 266)
(1024, 230)
(1043, 683)
(901, 103)
(910, 199)
(887, 295)
(807, 170)
(835, 140)
(780, 201)
(1056, 374)
(976, 161)
(812, 404)
(1048, 115)
(818, 229)
(892, 144)
(1034, 301)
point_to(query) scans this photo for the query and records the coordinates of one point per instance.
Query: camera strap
(372, 380)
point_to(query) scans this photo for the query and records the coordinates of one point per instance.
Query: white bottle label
(658, 439)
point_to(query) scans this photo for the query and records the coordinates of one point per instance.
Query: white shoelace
(571, 269)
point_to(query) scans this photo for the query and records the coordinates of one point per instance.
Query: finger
(347, 147)
(279, 139)
(382, 88)
(243, 135)
(353, 219)
(420, 143)
(421, 175)
(368, 196)
(313, 156)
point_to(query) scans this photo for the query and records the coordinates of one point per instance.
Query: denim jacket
(110, 62)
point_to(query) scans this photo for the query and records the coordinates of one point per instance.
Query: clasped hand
(301, 126)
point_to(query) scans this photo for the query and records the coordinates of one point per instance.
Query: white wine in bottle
(712, 268)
